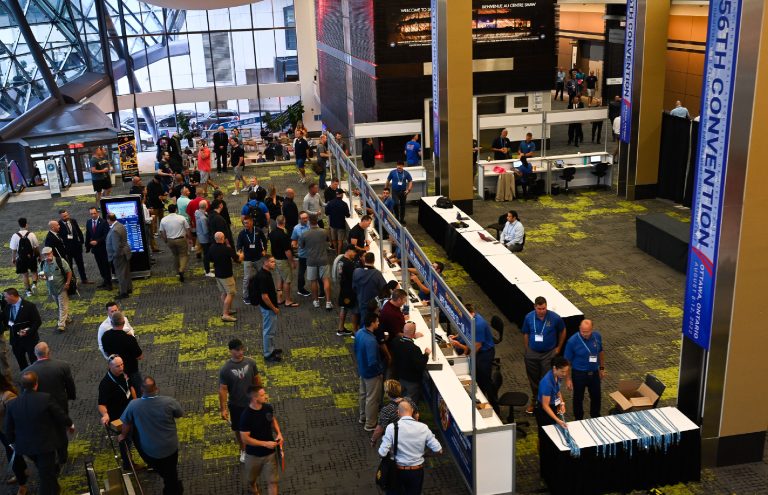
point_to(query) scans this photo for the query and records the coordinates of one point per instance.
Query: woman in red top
(204, 164)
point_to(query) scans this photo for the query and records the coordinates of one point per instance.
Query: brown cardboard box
(634, 395)
(486, 411)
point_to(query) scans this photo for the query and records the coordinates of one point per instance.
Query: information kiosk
(129, 212)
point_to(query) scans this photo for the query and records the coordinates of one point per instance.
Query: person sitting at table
(419, 285)
(513, 234)
(525, 172)
(527, 147)
(486, 352)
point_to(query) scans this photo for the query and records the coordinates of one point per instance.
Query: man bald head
(53, 225)
(203, 205)
(219, 237)
(585, 329)
(409, 330)
(42, 351)
(404, 409)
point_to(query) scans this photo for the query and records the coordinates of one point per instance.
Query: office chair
(509, 399)
(656, 385)
(567, 176)
(498, 325)
(528, 184)
(498, 226)
(601, 169)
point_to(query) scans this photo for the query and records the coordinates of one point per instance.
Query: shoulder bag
(387, 470)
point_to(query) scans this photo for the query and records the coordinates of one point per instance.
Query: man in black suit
(96, 230)
(23, 321)
(32, 424)
(72, 237)
(54, 241)
(54, 377)
(220, 143)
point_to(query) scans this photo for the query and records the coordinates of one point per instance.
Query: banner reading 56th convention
(719, 73)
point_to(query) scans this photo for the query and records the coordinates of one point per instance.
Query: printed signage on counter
(417, 258)
(714, 134)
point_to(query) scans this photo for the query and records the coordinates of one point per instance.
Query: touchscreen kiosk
(130, 213)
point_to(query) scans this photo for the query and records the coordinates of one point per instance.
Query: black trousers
(24, 352)
(597, 130)
(76, 254)
(589, 380)
(575, 134)
(543, 419)
(221, 161)
(484, 364)
(400, 198)
(206, 260)
(408, 482)
(47, 472)
(19, 464)
(105, 269)
(559, 89)
(168, 469)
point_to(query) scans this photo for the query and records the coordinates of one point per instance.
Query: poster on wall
(129, 158)
(711, 161)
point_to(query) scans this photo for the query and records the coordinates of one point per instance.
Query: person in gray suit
(119, 254)
(54, 377)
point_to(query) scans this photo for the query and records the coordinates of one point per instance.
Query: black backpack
(443, 202)
(25, 249)
(259, 219)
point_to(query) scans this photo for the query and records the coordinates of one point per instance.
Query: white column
(306, 40)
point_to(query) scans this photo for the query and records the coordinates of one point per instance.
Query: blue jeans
(269, 327)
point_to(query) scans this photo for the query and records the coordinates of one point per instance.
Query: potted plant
(182, 121)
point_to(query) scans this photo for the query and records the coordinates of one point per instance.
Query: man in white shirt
(112, 307)
(25, 259)
(174, 229)
(513, 235)
(413, 438)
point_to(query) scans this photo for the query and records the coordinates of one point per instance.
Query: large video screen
(127, 213)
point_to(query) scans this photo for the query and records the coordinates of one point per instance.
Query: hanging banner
(435, 82)
(416, 258)
(129, 158)
(629, 64)
(711, 161)
(386, 218)
(451, 306)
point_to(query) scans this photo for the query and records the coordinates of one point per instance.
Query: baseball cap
(47, 250)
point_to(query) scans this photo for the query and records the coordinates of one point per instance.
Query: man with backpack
(24, 255)
(58, 276)
(256, 210)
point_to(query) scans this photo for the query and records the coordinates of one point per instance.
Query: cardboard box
(447, 349)
(486, 411)
(634, 395)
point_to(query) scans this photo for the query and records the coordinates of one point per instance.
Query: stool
(512, 400)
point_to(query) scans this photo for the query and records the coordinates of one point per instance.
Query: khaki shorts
(590, 92)
(226, 285)
(283, 271)
(338, 234)
(239, 173)
(315, 272)
(254, 465)
(204, 176)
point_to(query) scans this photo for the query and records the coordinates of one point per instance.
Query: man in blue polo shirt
(585, 352)
(298, 231)
(486, 352)
(527, 147)
(370, 367)
(544, 335)
(400, 182)
(413, 151)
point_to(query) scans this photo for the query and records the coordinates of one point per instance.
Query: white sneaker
(234, 193)
(316, 303)
(242, 457)
(210, 275)
(328, 305)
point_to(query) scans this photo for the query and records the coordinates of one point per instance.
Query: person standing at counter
(486, 352)
(585, 352)
(527, 147)
(513, 235)
(413, 151)
(544, 335)
(559, 83)
(368, 154)
(400, 183)
(409, 362)
(370, 367)
(575, 132)
(500, 146)
(550, 398)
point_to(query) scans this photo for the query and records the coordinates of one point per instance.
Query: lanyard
(126, 391)
(543, 325)
(247, 236)
(400, 175)
(584, 343)
(555, 383)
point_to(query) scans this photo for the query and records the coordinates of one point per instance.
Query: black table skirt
(504, 294)
(592, 473)
(664, 238)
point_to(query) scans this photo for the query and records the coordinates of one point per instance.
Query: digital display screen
(517, 163)
(596, 159)
(127, 213)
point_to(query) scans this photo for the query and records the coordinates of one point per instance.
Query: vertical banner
(629, 64)
(711, 161)
(452, 307)
(129, 159)
(435, 82)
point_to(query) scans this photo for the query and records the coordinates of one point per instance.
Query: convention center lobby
(353, 247)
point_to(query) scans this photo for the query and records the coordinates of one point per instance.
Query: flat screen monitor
(596, 158)
(559, 163)
(130, 213)
(517, 163)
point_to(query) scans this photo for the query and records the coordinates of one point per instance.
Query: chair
(567, 175)
(601, 169)
(656, 385)
(509, 399)
(499, 226)
(498, 325)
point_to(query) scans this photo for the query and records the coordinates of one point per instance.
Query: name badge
(400, 183)
(70, 236)
(592, 359)
(10, 323)
(558, 401)
(50, 277)
(252, 246)
(538, 338)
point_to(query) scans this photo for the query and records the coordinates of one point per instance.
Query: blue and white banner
(629, 64)
(452, 307)
(711, 161)
(435, 82)
(388, 221)
(417, 259)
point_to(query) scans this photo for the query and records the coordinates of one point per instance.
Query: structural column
(640, 160)
(306, 41)
(723, 359)
(452, 100)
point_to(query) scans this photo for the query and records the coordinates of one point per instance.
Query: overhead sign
(629, 64)
(711, 161)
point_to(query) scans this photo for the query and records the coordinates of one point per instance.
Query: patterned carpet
(583, 244)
